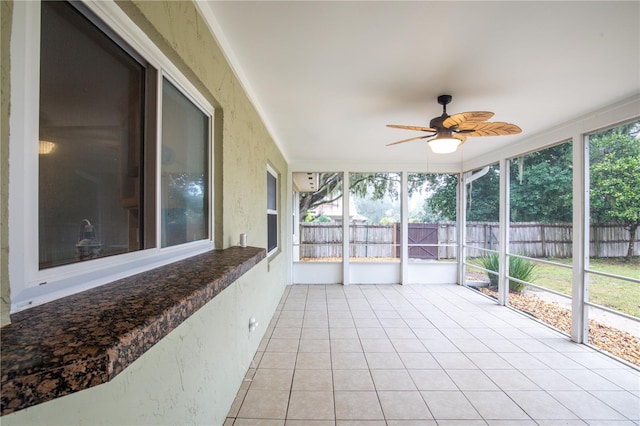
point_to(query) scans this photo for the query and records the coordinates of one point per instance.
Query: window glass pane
(320, 212)
(272, 224)
(374, 217)
(272, 190)
(272, 211)
(184, 169)
(91, 109)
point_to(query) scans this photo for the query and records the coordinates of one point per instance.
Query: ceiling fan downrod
(444, 100)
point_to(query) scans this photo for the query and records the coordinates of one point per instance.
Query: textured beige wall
(192, 376)
(6, 9)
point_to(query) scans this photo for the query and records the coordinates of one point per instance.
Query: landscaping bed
(609, 339)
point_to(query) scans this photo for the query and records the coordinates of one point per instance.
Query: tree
(541, 190)
(541, 186)
(441, 203)
(615, 182)
(375, 210)
(322, 219)
(483, 196)
(329, 190)
(374, 185)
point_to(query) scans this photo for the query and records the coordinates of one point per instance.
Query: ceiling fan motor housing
(437, 122)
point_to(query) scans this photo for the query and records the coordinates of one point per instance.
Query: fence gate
(421, 233)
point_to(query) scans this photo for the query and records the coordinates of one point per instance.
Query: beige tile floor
(424, 355)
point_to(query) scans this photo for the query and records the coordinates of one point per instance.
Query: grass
(613, 293)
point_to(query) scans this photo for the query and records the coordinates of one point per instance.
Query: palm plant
(519, 268)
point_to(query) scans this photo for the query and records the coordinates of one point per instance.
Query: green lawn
(610, 292)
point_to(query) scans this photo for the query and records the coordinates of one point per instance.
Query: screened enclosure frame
(580, 225)
(576, 131)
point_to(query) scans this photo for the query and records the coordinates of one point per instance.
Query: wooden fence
(546, 240)
(325, 240)
(532, 239)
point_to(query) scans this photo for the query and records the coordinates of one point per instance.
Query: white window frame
(270, 212)
(27, 281)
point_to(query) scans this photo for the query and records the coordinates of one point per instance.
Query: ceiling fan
(450, 131)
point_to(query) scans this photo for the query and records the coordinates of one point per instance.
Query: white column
(461, 223)
(345, 228)
(404, 229)
(295, 238)
(579, 289)
(503, 285)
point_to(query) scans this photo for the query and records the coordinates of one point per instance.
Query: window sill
(88, 338)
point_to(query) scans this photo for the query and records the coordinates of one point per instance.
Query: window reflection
(90, 141)
(184, 164)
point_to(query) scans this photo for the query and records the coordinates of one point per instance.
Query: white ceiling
(328, 76)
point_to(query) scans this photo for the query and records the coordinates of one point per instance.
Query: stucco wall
(191, 376)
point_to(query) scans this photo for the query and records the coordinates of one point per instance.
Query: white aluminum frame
(273, 172)
(576, 130)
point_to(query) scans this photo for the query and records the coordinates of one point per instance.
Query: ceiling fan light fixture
(444, 144)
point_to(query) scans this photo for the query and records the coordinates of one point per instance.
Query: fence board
(531, 239)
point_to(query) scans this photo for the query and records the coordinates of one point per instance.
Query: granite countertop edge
(108, 327)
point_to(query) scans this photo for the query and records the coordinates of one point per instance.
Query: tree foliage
(541, 186)
(541, 190)
(615, 181)
(483, 197)
(441, 204)
(373, 185)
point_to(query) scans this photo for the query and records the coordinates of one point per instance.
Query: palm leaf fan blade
(470, 116)
(409, 140)
(419, 128)
(497, 128)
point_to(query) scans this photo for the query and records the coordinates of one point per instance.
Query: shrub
(492, 263)
(323, 218)
(519, 268)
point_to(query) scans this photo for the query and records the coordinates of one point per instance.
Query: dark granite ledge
(88, 338)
